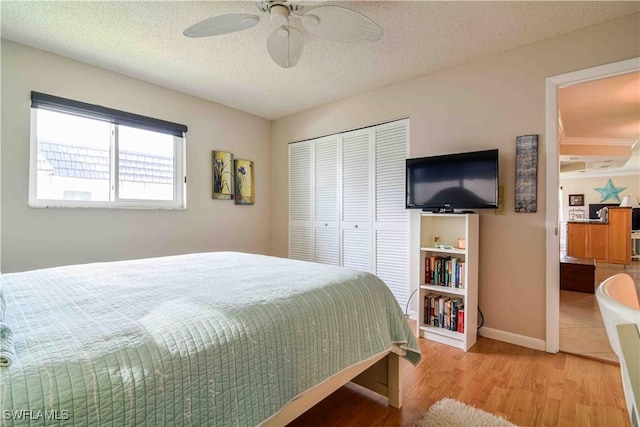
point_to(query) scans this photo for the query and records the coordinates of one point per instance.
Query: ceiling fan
(286, 42)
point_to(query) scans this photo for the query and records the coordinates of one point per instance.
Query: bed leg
(394, 380)
(384, 378)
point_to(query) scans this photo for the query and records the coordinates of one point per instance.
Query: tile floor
(581, 329)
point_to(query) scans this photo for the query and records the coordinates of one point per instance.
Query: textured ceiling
(144, 40)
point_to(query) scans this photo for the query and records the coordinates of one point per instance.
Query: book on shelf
(433, 319)
(443, 311)
(427, 269)
(431, 265)
(455, 308)
(447, 314)
(434, 301)
(425, 309)
(454, 315)
(444, 274)
(442, 307)
(444, 271)
(428, 309)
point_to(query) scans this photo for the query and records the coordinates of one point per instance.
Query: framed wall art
(527, 173)
(243, 182)
(576, 199)
(222, 166)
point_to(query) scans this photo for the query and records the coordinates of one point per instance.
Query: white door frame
(553, 181)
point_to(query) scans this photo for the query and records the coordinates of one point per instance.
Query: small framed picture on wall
(576, 199)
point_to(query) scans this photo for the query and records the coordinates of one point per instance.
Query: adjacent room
(599, 170)
(312, 213)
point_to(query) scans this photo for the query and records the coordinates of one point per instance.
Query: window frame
(179, 201)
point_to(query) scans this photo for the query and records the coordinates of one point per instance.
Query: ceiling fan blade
(285, 46)
(341, 24)
(223, 24)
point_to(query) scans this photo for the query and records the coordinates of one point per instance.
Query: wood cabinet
(578, 236)
(620, 235)
(598, 242)
(603, 241)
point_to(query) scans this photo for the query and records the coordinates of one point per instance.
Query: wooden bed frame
(380, 373)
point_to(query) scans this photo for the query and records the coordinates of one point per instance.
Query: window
(84, 155)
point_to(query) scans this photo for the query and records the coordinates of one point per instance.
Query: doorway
(553, 167)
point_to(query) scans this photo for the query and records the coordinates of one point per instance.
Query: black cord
(406, 310)
(481, 321)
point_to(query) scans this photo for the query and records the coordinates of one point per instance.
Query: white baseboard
(511, 338)
(508, 337)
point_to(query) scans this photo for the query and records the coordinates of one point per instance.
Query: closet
(347, 202)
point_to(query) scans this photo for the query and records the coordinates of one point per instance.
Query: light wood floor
(528, 387)
(581, 329)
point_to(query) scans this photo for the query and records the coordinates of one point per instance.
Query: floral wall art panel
(244, 182)
(222, 175)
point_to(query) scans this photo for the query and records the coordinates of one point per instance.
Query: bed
(207, 339)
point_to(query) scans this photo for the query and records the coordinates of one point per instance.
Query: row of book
(444, 271)
(444, 312)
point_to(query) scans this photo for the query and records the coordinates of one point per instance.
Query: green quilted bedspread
(212, 339)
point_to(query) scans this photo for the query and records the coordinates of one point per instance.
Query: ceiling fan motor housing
(265, 5)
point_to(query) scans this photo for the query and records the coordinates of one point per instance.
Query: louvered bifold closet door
(391, 222)
(300, 181)
(356, 217)
(326, 236)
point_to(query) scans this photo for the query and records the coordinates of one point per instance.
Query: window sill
(151, 206)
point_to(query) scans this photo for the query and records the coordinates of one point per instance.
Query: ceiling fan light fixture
(279, 14)
(282, 32)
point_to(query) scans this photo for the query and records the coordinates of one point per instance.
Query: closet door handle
(356, 226)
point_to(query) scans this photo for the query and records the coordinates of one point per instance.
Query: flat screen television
(453, 181)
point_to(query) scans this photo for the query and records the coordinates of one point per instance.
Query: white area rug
(451, 413)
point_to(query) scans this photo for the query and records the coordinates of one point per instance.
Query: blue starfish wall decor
(609, 191)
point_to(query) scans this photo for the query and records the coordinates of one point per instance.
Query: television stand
(438, 210)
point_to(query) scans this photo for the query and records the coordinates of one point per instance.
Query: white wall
(35, 238)
(479, 105)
